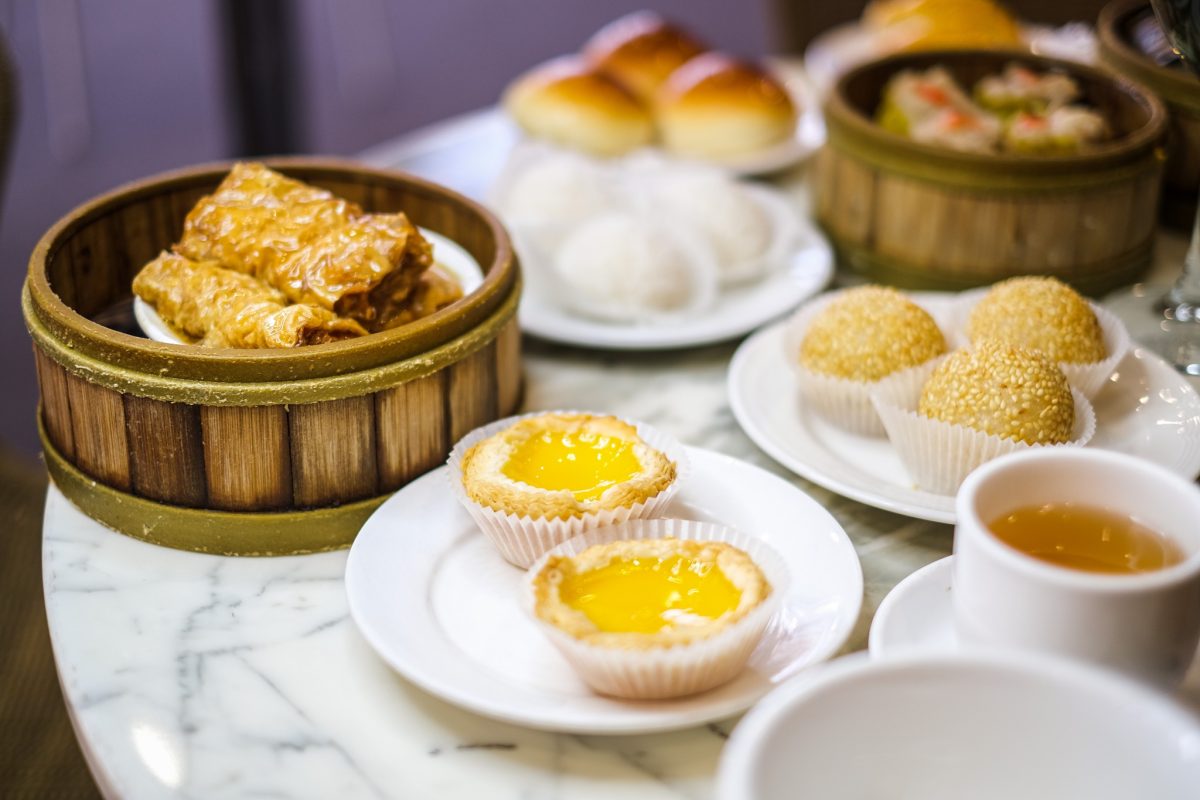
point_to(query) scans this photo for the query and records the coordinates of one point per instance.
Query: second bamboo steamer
(925, 217)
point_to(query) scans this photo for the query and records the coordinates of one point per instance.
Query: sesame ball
(868, 333)
(1002, 390)
(1042, 314)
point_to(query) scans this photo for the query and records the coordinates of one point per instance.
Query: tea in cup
(1083, 553)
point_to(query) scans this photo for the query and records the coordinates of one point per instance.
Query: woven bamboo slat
(256, 452)
(932, 218)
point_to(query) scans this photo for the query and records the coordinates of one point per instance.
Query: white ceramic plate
(736, 312)
(447, 253)
(1147, 410)
(441, 606)
(916, 614)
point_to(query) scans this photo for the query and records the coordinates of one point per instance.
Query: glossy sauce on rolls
(641, 50)
(572, 103)
(715, 106)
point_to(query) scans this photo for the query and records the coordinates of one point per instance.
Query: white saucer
(437, 602)
(1146, 410)
(736, 311)
(917, 614)
(447, 253)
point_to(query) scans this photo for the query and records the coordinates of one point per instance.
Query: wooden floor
(39, 757)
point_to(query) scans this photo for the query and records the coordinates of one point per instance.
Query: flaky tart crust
(735, 564)
(485, 483)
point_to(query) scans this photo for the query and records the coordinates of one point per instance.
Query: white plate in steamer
(438, 603)
(1146, 410)
(736, 311)
(446, 252)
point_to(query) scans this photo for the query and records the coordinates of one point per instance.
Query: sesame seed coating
(868, 333)
(1002, 390)
(1042, 314)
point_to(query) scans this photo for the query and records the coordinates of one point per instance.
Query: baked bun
(641, 50)
(572, 103)
(717, 107)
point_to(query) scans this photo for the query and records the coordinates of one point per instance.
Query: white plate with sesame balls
(1146, 410)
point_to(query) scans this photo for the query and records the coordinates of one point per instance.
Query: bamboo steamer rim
(847, 125)
(262, 393)
(81, 335)
(1177, 86)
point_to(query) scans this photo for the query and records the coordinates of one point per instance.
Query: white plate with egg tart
(1146, 409)
(439, 604)
(449, 255)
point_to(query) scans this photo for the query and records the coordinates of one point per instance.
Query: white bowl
(987, 726)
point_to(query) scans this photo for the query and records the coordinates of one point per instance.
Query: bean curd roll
(357, 268)
(219, 307)
(257, 217)
(312, 246)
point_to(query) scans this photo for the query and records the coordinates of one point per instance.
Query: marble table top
(198, 676)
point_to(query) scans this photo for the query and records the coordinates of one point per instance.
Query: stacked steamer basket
(1119, 28)
(256, 451)
(926, 217)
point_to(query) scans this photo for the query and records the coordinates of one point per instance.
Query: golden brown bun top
(718, 81)
(641, 50)
(570, 79)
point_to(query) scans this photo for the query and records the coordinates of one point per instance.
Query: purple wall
(114, 91)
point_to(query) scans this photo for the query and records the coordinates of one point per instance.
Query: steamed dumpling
(721, 211)
(556, 188)
(619, 267)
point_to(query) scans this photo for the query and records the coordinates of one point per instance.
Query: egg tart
(535, 481)
(657, 608)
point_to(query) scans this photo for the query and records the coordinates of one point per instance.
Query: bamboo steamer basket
(1178, 88)
(926, 217)
(255, 452)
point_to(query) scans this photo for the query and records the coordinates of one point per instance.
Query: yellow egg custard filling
(583, 462)
(650, 592)
(562, 465)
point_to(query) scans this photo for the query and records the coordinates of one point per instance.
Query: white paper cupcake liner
(939, 455)
(1087, 378)
(522, 539)
(844, 402)
(677, 670)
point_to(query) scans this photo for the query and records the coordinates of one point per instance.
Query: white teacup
(1146, 624)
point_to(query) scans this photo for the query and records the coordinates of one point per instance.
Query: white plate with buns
(643, 82)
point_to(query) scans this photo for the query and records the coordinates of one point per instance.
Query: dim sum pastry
(717, 107)
(618, 267)
(1019, 88)
(546, 185)
(257, 217)
(222, 308)
(435, 289)
(723, 212)
(1063, 131)
(569, 102)
(959, 130)
(912, 98)
(641, 50)
(314, 247)
(352, 269)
